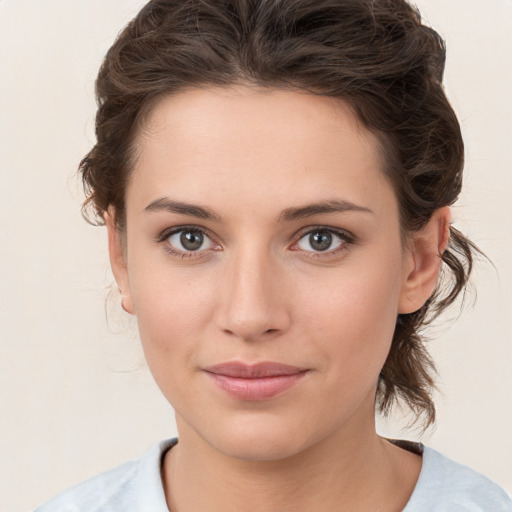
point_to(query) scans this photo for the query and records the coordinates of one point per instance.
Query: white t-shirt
(136, 486)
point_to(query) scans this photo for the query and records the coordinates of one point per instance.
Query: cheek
(173, 307)
(172, 314)
(351, 319)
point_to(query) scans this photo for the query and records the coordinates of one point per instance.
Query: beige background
(75, 398)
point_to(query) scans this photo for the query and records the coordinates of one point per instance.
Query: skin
(258, 290)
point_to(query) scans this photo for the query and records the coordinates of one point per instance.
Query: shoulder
(135, 485)
(446, 486)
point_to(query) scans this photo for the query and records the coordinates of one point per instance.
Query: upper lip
(253, 371)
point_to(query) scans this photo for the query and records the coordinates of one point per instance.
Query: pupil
(321, 241)
(191, 240)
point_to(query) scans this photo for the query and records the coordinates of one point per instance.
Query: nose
(253, 297)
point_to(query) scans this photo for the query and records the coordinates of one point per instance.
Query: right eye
(186, 241)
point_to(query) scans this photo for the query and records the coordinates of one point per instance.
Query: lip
(254, 382)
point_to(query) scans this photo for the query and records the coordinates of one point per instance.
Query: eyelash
(346, 238)
(173, 231)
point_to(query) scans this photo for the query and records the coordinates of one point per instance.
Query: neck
(355, 471)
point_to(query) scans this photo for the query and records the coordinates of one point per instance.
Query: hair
(375, 55)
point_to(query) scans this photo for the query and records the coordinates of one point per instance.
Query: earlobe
(425, 258)
(118, 261)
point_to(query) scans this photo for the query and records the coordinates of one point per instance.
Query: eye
(323, 240)
(187, 240)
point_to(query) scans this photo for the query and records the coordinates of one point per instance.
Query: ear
(424, 261)
(118, 261)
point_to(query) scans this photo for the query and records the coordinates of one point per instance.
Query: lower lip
(255, 389)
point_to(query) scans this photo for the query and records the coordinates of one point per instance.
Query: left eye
(189, 240)
(321, 240)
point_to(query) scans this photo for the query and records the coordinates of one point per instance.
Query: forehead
(253, 111)
(225, 143)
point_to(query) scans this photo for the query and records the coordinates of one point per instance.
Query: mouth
(254, 382)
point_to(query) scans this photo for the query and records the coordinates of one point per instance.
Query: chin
(259, 448)
(256, 440)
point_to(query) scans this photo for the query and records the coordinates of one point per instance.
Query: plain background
(75, 397)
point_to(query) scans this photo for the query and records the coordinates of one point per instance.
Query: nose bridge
(252, 304)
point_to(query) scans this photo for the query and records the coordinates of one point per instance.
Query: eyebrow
(193, 210)
(288, 215)
(322, 207)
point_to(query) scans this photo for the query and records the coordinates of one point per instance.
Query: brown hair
(374, 54)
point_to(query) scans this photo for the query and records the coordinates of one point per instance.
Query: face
(263, 260)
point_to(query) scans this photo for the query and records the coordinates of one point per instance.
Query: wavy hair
(376, 55)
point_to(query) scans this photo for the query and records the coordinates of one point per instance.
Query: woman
(275, 178)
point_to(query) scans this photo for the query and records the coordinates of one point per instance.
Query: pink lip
(259, 381)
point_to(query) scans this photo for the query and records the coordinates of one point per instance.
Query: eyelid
(342, 233)
(167, 233)
(345, 236)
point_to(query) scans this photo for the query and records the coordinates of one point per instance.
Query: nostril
(269, 332)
